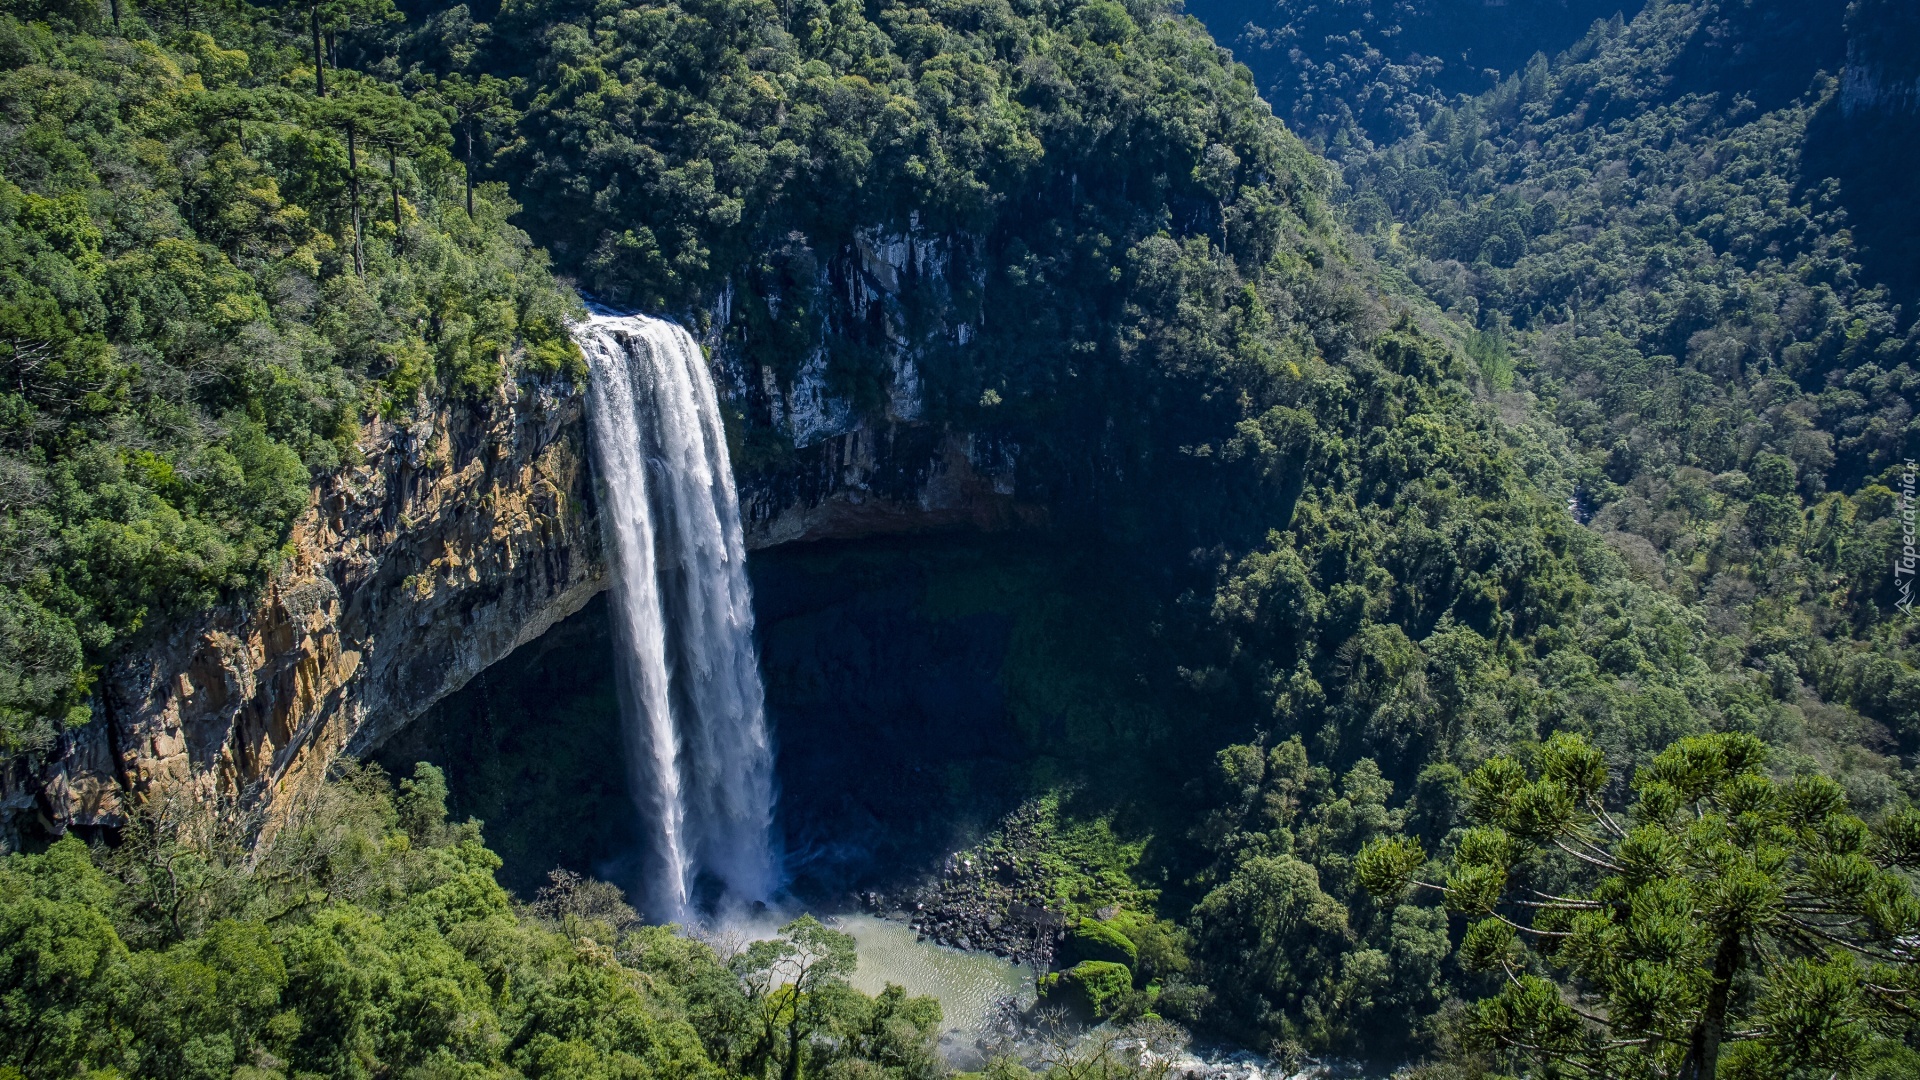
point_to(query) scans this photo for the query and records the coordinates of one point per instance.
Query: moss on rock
(1091, 986)
(1097, 940)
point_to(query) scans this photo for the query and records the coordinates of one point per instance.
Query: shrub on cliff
(1094, 939)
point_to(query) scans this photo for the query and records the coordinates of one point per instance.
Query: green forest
(1493, 456)
(214, 275)
(370, 939)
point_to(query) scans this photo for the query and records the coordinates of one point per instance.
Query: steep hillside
(1651, 238)
(1676, 252)
(207, 288)
(1560, 438)
(1348, 75)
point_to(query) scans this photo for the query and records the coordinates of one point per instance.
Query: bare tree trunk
(393, 182)
(319, 58)
(353, 186)
(790, 1069)
(1703, 1058)
(469, 168)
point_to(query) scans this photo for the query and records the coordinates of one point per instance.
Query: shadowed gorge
(897, 742)
(886, 665)
(525, 749)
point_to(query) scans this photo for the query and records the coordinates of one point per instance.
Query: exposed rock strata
(896, 478)
(1874, 81)
(851, 473)
(459, 536)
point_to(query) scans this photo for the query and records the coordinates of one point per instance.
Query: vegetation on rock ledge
(209, 277)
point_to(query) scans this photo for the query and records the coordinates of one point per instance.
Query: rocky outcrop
(458, 537)
(1870, 88)
(998, 896)
(854, 473)
(885, 479)
(1882, 73)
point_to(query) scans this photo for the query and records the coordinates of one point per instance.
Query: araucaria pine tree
(1728, 924)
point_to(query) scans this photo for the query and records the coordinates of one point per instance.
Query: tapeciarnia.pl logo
(1903, 567)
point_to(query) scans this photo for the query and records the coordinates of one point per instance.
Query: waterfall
(698, 752)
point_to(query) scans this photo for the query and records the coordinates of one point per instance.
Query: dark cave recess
(884, 697)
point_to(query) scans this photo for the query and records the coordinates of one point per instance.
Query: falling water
(699, 756)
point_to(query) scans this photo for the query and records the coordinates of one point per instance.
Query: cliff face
(853, 473)
(459, 537)
(1882, 72)
(463, 535)
(881, 479)
(1868, 85)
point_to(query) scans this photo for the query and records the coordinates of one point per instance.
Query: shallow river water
(972, 987)
(969, 986)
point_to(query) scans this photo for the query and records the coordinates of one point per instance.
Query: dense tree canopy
(1728, 922)
(1349, 75)
(1523, 494)
(209, 276)
(368, 938)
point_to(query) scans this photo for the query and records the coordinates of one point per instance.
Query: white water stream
(699, 755)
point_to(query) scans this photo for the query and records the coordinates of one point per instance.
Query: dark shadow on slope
(895, 739)
(893, 732)
(1875, 156)
(1388, 63)
(1768, 50)
(532, 747)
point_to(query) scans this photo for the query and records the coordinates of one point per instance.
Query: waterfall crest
(699, 755)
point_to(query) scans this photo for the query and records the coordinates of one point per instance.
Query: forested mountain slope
(1348, 75)
(1675, 246)
(1340, 615)
(1655, 240)
(209, 273)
